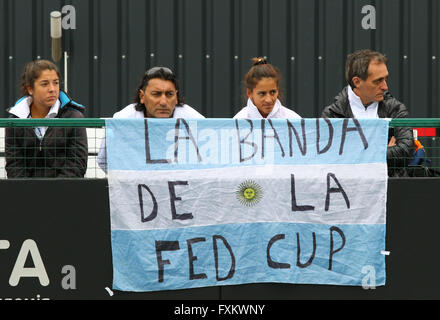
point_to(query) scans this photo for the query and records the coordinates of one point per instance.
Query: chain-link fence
(48, 148)
(424, 159)
(68, 148)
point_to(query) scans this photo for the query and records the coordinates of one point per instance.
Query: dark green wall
(209, 44)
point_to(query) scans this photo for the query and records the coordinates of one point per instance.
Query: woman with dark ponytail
(262, 83)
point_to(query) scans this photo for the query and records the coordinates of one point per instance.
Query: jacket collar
(358, 108)
(65, 100)
(21, 107)
(343, 105)
(254, 113)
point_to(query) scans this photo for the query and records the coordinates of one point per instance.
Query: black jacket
(62, 153)
(397, 156)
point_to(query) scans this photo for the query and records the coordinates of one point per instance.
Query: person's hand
(392, 142)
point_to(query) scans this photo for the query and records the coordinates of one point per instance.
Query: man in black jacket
(367, 96)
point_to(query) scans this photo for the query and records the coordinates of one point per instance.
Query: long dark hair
(157, 73)
(32, 71)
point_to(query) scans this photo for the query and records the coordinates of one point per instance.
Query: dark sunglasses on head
(153, 70)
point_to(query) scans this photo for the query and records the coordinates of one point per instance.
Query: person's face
(264, 95)
(373, 88)
(46, 89)
(159, 98)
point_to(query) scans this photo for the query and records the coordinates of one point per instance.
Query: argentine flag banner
(208, 202)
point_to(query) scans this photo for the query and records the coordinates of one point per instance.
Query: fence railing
(429, 140)
(95, 129)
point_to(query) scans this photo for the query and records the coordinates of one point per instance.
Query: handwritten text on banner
(219, 201)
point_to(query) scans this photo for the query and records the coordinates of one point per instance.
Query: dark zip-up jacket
(398, 155)
(62, 153)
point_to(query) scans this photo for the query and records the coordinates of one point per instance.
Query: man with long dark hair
(156, 96)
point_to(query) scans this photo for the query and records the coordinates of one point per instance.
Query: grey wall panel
(190, 52)
(247, 42)
(81, 68)
(235, 39)
(122, 43)
(435, 59)
(109, 53)
(391, 44)
(205, 57)
(404, 53)
(3, 58)
(290, 74)
(361, 38)
(137, 47)
(418, 58)
(307, 59)
(333, 35)
(209, 44)
(23, 24)
(275, 33)
(220, 60)
(166, 14)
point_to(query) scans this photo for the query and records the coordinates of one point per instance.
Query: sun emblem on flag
(249, 193)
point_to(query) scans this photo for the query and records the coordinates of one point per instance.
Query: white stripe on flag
(353, 194)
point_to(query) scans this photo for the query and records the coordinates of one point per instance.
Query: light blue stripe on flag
(178, 144)
(243, 253)
(325, 179)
